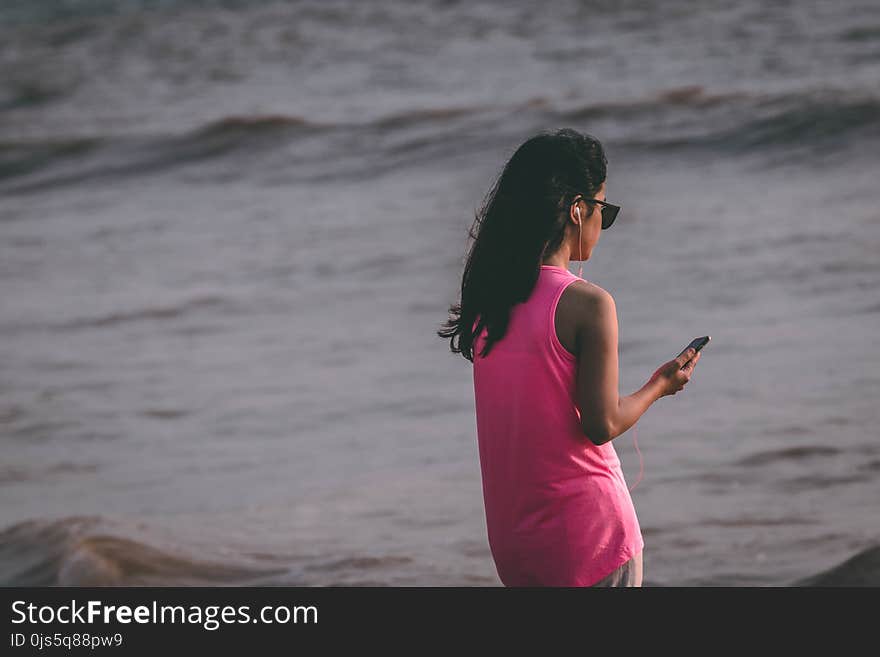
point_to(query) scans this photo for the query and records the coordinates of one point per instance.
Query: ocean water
(230, 230)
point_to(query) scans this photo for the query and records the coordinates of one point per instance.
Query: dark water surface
(229, 231)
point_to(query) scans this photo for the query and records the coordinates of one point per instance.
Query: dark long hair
(523, 217)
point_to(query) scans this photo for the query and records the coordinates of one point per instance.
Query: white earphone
(580, 253)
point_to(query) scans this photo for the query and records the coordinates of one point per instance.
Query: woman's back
(558, 511)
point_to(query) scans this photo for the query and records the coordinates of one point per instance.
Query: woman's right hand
(671, 376)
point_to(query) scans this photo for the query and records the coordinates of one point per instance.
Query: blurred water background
(230, 230)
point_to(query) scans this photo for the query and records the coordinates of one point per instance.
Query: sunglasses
(609, 210)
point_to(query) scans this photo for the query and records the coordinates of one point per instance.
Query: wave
(253, 125)
(424, 115)
(161, 313)
(25, 93)
(863, 569)
(95, 551)
(79, 160)
(768, 124)
(24, 157)
(814, 123)
(10, 474)
(861, 33)
(688, 96)
(92, 551)
(796, 453)
(296, 148)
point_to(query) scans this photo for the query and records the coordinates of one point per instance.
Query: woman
(543, 343)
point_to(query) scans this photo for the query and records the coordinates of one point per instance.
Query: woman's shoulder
(582, 305)
(583, 291)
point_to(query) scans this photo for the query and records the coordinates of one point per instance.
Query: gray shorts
(625, 575)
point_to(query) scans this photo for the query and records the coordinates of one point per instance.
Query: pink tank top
(558, 510)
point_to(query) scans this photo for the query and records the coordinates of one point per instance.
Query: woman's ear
(576, 213)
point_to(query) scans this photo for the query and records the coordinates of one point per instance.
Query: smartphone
(696, 343)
